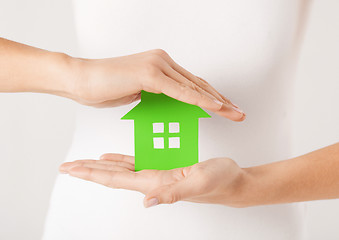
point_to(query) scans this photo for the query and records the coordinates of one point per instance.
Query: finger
(108, 167)
(230, 110)
(232, 113)
(226, 100)
(170, 72)
(173, 91)
(114, 102)
(186, 94)
(112, 179)
(117, 102)
(198, 81)
(207, 87)
(67, 165)
(117, 157)
(116, 163)
(172, 193)
(100, 164)
(204, 82)
(118, 166)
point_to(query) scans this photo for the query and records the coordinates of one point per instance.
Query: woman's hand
(312, 176)
(218, 180)
(106, 82)
(117, 81)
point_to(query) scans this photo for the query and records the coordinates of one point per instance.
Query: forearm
(28, 69)
(313, 176)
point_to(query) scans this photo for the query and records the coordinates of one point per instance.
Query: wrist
(261, 185)
(30, 69)
(68, 68)
(77, 83)
(61, 73)
(249, 189)
(243, 189)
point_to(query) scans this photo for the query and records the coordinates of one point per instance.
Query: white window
(171, 135)
(174, 127)
(158, 142)
(174, 142)
(158, 127)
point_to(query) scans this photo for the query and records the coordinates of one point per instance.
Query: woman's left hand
(217, 180)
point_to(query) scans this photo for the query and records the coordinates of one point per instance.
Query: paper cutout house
(165, 132)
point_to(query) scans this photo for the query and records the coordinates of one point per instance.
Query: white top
(247, 50)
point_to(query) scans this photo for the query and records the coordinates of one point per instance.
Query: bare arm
(28, 69)
(312, 176)
(106, 82)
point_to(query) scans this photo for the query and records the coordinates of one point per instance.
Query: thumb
(171, 193)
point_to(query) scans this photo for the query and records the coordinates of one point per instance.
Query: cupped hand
(217, 180)
(118, 81)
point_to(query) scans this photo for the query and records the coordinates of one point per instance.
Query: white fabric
(247, 50)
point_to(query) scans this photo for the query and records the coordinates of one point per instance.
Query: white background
(36, 130)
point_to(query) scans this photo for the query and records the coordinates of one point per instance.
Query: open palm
(212, 181)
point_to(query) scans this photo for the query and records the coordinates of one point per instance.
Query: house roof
(160, 106)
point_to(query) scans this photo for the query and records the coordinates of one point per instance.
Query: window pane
(174, 142)
(158, 127)
(158, 142)
(174, 127)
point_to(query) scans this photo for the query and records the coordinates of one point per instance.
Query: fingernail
(151, 202)
(218, 102)
(238, 110)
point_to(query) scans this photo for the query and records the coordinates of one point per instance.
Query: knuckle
(159, 52)
(79, 163)
(184, 93)
(203, 81)
(111, 167)
(90, 175)
(151, 66)
(172, 198)
(181, 87)
(204, 84)
(111, 182)
(153, 60)
(151, 75)
(178, 174)
(186, 90)
(194, 86)
(204, 100)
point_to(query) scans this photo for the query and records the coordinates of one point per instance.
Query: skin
(117, 81)
(312, 176)
(106, 82)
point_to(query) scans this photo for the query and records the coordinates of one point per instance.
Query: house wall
(167, 158)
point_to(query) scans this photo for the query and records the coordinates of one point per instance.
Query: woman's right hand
(118, 81)
(215, 181)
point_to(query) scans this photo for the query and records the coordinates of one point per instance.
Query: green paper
(165, 132)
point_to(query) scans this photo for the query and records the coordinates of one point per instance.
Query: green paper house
(165, 132)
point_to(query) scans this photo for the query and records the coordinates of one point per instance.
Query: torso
(246, 49)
